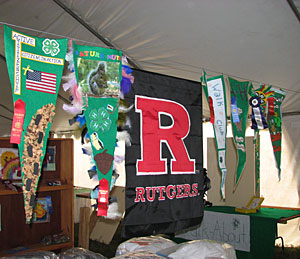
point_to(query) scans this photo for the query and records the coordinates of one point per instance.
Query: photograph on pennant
(99, 78)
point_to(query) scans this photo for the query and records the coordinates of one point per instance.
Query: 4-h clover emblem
(100, 120)
(50, 47)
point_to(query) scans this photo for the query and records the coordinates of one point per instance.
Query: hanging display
(274, 119)
(164, 175)
(214, 89)
(35, 67)
(98, 73)
(258, 101)
(256, 143)
(239, 112)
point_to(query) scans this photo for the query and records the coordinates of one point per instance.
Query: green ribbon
(239, 96)
(35, 67)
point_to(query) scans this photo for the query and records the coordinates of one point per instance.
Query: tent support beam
(285, 114)
(294, 9)
(2, 116)
(6, 108)
(94, 32)
(2, 57)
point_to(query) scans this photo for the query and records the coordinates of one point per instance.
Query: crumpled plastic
(138, 244)
(80, 253)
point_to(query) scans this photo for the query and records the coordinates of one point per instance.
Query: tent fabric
(251, 40)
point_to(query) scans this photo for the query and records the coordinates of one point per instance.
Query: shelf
(42, 188)
(15, 234)
(37, 247)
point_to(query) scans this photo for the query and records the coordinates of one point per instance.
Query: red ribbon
(18, 121)
(103, 197)
(271, 106)
(211, 109)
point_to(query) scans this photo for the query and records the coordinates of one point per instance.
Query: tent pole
(94, 32)
(294, 8)
(2, 57)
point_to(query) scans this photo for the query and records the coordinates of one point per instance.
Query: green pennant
(256, 143)
(214, 89)
(35, 67)
(239, 112)
(101, 117)
(261, 94)
(274, 120)
(98, 73)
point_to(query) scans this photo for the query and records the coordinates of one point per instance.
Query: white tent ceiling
(257, 40)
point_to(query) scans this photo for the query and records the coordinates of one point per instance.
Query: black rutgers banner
(164, 169)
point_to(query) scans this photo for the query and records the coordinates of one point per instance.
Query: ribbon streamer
(257, 117)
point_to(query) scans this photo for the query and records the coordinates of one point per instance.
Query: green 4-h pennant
(258, 102)
(256, 143)
(239, 112)
(98, 72)
(274, 120)
(35, 67)
(214, 89)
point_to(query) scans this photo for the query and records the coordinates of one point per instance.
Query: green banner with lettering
(98, 73)
(35, 66)
(215, 91)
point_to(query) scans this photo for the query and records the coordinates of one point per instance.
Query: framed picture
(255, 203)
(41, 211)
(10, 164)
(49, 160)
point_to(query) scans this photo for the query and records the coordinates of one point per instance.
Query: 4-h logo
(100, 120)
(50, 47)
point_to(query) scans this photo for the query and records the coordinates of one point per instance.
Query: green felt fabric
(239, 104)
(263, 229)
(98, 73)
(102, 123)
(272, 213)
(35, 66)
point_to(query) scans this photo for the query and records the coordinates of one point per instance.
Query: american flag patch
(41, 81)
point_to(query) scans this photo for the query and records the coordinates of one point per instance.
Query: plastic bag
(200, 249)
(80, 253)
(139, 255)
(151, 243)
(36, 255)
